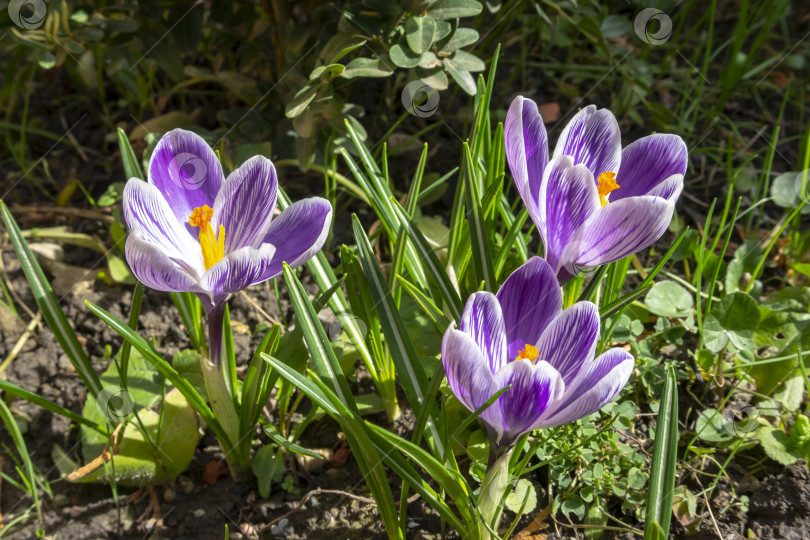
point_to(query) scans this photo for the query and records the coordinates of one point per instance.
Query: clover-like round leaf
(669, 299)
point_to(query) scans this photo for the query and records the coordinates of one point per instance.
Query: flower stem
(216, 387)
(492, 489)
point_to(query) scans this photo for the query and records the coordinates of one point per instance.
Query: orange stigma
(213, 247)
(529, 352)
(607, 183)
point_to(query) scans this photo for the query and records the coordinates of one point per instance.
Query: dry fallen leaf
(213, 471)
(549, 111)
(532, 530)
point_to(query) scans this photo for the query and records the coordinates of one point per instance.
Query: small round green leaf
(669, 299)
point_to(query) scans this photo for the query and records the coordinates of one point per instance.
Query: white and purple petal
(570, 340)
(592, 138)
(647, 163)
(469, 377)
(245, 204)
(156, 270)
(186, 171)
(617, 230)
(534, 389)
(298, 233)
(526, 146)
(148, 213)
(482, 320)
(530, 298)
(596, 386)
(238, 270)
(568, 196)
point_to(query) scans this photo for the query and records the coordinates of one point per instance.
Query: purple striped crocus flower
(522, 337)
(593, 202)
(193, 230)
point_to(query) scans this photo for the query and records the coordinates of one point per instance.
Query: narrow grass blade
(131, 166)
(409, 368)
(191, 313)
(432, 265)
(482, 260)
(49, 305)
(325, 277)
(165, 369)
(126, 348)
(48, 405)
(664, 462)
(368, 457)
(323, 357)
(19, 443)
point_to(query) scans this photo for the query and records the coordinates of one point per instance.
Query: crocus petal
(530, 298)
(238, 270)
(526, 149)
(595, 387)
(570, 340)
(648, 162)
(298, 233)
(146, 211)
(185, 169)
(568, 196)
(154, 269)
(468, 375)
(245, 204)
(482, 320)
(670, 189)
(534, 388)
(617, 230)
(593, 139)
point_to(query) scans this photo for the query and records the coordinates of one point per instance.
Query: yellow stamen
(529, 352)
(607, 183)
(212, 246)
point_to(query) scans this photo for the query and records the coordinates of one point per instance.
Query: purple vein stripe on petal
(245, 204)
(298, 233)
(468, 374)
(239, 270)
(154, 269)
(568, 196)
(185, 169)
(534, 388)
(619, 229)
(482, 320)
(593, 139)
(146, 211)
(647, 162)
(570, 340)
(526, 149)
(597, 385)
(530, 298)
